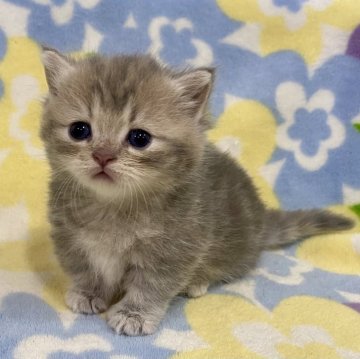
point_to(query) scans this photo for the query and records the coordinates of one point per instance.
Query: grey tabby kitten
(142, 207)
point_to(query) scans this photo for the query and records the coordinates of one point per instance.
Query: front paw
(129, 322)
(80, 302)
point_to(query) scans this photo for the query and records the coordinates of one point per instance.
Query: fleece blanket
(287, 106)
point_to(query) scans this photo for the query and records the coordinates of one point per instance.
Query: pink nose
(103, 157)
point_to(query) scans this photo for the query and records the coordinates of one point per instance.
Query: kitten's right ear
(57, 66)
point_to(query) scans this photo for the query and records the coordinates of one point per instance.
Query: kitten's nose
(103, 157)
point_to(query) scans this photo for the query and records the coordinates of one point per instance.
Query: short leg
(144, 304)
(87, 295)
(197, 290)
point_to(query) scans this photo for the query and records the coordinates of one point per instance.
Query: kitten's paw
(197, 290)
(82, 303)
(132, 323)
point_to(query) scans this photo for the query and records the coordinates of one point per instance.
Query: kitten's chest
(107, 251)
(111, 248)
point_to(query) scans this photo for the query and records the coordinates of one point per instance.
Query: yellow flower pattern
(306, 38)
(298, 327)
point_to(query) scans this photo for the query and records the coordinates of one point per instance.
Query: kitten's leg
(197, 290)
(144, 304)
(85, 297)
(87, 294)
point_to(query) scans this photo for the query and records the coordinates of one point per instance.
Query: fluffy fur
(176, 216)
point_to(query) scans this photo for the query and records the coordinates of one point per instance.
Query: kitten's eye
(80, 131)
(139, 138)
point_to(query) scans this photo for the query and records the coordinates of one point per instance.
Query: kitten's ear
(57, 66)
(195, 88)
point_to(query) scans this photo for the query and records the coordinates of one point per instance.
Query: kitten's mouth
(104, 175)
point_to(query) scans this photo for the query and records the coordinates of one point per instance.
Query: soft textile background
(287, 102)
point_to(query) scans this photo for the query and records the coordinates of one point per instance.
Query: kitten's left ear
(57, 67)
(195, 87)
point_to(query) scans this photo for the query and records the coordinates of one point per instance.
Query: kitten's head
(124, 123)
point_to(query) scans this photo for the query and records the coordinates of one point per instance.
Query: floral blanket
(287, 103)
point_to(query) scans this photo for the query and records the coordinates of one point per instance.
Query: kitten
(142, 207)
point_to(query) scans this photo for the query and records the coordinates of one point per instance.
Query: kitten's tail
(283, 227)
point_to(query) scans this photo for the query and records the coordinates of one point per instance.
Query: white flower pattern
(290, 99)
